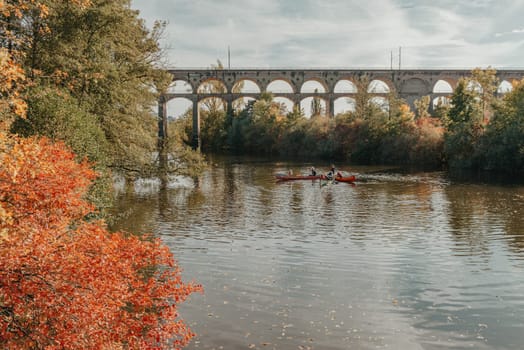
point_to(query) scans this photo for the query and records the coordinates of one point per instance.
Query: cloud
(338, 33)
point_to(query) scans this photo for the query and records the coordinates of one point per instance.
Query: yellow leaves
(4, 235)
(405, 112)
(19, 107)
(12, 79)
(44, 10)
(81, 3)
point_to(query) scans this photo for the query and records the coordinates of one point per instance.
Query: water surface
(397, 261)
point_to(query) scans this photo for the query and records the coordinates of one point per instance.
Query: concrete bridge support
(195, 140)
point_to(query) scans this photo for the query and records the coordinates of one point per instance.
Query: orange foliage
(11, 78)
(66, 283)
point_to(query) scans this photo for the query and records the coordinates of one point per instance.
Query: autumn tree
(67, 283)
(422, 106)
(363, 107)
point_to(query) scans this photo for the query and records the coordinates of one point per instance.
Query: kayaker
(331, 172)
(313, 171)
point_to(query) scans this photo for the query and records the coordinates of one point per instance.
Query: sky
(339, 33)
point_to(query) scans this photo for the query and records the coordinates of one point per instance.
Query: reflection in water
(399, 261)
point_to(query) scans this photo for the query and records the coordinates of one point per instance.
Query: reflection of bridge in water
(333, 84)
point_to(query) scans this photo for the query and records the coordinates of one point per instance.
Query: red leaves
(70, 284)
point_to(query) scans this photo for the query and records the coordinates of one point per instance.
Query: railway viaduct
(410, 85)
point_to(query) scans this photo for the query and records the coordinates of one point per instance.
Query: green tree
(316, 106)
(502, 146)
(104, 57)
(56, 114)
(464, 126)
(487, 78)
(363, 107)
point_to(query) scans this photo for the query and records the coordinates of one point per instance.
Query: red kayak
(283, 177)
(351, 178)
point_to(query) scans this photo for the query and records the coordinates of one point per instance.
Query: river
(399, 260)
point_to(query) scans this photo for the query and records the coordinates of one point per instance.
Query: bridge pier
(162, 137)
(195, 139)
(330, 106)
(162, 119)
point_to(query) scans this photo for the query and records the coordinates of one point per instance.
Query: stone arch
(240, 103)
(177, 107)
(440, 101)
(313, 84)
(379, 77)
(180, 86)
(211, 85)
(305, 105)
(381, 102)
(212, 102)
(442, 87)
(378, 86)
(474, 85)
(345, 86)
(246, 85)
(286, 102)
(280, 85)
(344, 104)
(504, 87)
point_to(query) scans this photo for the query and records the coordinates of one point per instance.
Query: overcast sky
(340, 33)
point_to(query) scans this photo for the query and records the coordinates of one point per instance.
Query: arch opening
(246, 86)
(279, 86)
(286, 103)
(380, 102)
(475, 86)
(344, 105)
(212, 104)
(241, 103)
(378, 87)
(178, 107)
(441, 101)
(442, 87)
(345, 86)
(212, 86)
(504, 87)
(311, 86)
(313, 106)
(180, 87)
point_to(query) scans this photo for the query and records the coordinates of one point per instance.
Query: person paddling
(331, 172)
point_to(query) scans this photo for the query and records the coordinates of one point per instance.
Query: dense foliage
(94, 73)
(67, 282)
(501, 147)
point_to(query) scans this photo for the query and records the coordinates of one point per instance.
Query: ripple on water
(396, 261)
